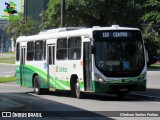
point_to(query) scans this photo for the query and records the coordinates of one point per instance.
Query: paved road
(153, 85)
(7, 70)
(153, 79)
(64, 102)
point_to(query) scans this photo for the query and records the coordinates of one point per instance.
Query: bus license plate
(123, 89)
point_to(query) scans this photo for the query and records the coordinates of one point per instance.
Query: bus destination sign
(115, 34)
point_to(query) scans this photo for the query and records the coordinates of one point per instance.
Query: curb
(8, 64)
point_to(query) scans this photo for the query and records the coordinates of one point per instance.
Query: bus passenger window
(44, 50)
(38, 50)
(50, 56)
(30, 51)
(62, 49)
(74, 48)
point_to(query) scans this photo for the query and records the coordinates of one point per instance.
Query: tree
(22, 26)
(93, 13)
(151, 23)
(151, 14)
(52, 14)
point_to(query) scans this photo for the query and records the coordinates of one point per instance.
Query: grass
(155, 66)
(7, 79)
(8, 53)
(9, 60)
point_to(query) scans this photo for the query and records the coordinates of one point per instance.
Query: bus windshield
(119, 56)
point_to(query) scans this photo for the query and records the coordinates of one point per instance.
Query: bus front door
(87, 66)
(51, 66)
(22, 66)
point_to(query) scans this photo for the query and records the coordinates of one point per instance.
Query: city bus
(109, 60)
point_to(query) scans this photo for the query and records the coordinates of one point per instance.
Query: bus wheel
(37, 89)
(78, 93)
(120, 95)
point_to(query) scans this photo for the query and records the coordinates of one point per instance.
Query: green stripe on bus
(57, 83)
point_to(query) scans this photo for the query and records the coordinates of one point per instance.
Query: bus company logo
(10, 11)
(61, 69)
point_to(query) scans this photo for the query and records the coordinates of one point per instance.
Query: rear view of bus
(119, 62)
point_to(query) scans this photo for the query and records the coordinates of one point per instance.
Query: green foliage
(154, 66)
(151, 19)
(22, 26)
(152, 47)
(52, 14)
(90, 13)
(152, 13)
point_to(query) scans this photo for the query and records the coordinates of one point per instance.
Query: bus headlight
(99, 78)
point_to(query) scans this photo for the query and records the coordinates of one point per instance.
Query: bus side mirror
(93, 49)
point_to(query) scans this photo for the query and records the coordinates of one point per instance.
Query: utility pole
(41, 15)
(62, 13)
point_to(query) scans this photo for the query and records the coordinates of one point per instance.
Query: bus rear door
(22, 65)
(87, 66)
(51, 66)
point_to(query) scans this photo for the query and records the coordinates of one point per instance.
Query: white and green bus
(97, 60)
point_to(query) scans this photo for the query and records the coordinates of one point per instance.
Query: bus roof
(69, 32)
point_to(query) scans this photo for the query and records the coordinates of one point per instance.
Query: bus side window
(44, 50)
(39, 50)
(61, 49)
(74, 48)
(30, 51)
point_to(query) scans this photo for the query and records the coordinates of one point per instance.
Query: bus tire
(75, 87)
(78, 93)
(37, 89)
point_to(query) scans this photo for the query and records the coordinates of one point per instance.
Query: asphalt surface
(7, 70)
(152, 92)
(153, 86)
(64, 102)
